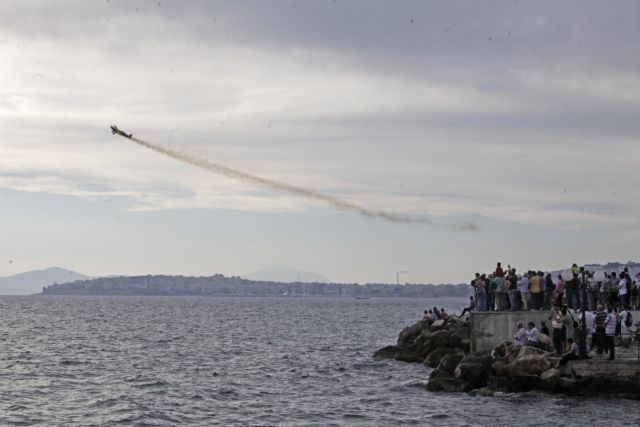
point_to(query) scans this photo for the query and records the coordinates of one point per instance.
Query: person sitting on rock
(533, 335)
(426, 317)
(572, 354)
(520, 337)
(436, 314)
(472, 305)
(443, 314)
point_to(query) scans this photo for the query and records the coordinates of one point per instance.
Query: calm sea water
(240, 361)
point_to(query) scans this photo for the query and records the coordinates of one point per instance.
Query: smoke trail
(280, 186)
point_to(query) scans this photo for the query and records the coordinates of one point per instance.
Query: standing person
(610, 330)
(498, 276)
(543, 289)
(569, 323)
(491, 293)
(571, 288)
(549, 292)
(623, 289)
(594, 291)
(481, 286)
(613, 289)
(534, 288)
(556, 324)
(599, 336)
(524, 291)
(559, 290)
(590, 319)
(624, 329)
(602, 293)
(513, 290)
(633, 295)
(476, 297)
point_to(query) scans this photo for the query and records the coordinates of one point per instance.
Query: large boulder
(397, 353)
(474, 369)
(408, 334)
(550, 377)
(427, 341)
(457, 335)
(529, 350)
(438, 325)
(528, 364)
(449, 362)
(408, 356)
(388, 352)
(545, 342)
(442, 383)
(434, 358)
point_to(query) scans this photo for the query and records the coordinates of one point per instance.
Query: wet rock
(388, 352)
(406, 356)
(438, 325)
(434, 358)
(550, 377)
(545, 342)
(448, 384)
(529, 364)
(499, 368)
(456, 337)
(449, 362)
(528, 350)
(408, 334)
(567, 385)
(474, 369)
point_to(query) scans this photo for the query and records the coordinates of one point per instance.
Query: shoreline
(446, 347)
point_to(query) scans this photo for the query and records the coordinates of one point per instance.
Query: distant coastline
(220, 285)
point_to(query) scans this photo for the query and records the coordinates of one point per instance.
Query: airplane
(114, 130)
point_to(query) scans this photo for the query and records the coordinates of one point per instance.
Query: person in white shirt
(520, 337)
(622, 289)
(624, 329)
(533, 335)
(590, 319)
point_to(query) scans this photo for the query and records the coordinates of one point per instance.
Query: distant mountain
(32, 282)
(285, 274)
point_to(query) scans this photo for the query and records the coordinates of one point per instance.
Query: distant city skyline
(517, 117)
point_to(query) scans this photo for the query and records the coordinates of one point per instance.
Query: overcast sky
(519, 117)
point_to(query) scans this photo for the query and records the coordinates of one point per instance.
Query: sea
(149, 361)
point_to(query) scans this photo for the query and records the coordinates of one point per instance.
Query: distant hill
(285, 274)
(219, 285)
(32, 282)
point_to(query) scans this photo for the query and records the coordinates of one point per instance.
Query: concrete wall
(491, 327)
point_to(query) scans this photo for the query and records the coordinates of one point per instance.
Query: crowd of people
(605, 328)
(534, 290)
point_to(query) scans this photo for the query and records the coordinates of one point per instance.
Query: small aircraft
(114, 130)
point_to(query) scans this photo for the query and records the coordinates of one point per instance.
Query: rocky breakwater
(445, 347)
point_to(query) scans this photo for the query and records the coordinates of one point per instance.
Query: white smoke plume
(292, 189)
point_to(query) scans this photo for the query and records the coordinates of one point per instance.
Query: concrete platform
(491, 327)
